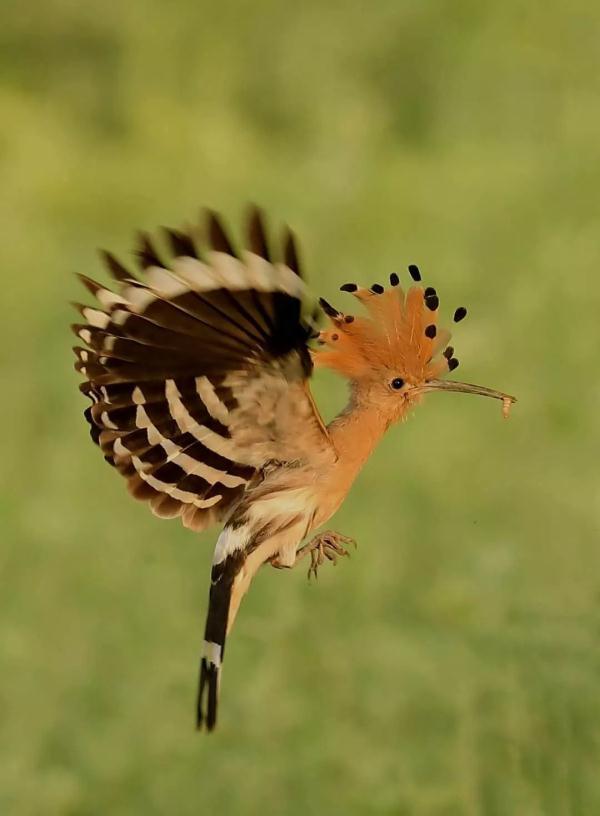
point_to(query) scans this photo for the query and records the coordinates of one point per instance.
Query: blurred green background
(452, 666)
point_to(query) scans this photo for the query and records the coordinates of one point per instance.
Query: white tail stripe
(212, 652)
(230, 540)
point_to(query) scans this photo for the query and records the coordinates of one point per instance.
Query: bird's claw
(330, 546)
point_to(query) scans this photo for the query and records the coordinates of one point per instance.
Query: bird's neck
(355, 433)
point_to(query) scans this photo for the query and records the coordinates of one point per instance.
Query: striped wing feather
(198, 371)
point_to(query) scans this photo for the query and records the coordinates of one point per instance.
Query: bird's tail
(218, 621)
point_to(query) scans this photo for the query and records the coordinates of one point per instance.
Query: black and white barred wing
(197, 372)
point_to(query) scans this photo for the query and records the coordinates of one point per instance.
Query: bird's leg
(328, 545)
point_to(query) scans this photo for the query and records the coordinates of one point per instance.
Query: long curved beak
(467, 388)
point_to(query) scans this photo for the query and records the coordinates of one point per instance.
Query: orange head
(397, 353)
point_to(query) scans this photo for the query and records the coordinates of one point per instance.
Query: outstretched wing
(198, 371)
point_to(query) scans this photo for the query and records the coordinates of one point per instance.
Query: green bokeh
(452, 666)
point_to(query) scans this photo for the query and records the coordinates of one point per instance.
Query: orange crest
(400, 335)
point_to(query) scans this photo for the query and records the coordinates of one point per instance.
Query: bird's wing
(198, 372)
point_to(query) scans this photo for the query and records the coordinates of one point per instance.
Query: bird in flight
(198, 371)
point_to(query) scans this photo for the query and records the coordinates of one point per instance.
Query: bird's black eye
(397, 383)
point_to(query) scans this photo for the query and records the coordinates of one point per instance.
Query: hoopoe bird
(198, 372)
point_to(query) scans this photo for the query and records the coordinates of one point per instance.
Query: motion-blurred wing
(198, 372)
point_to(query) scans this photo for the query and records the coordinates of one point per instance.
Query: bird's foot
(328, 545)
